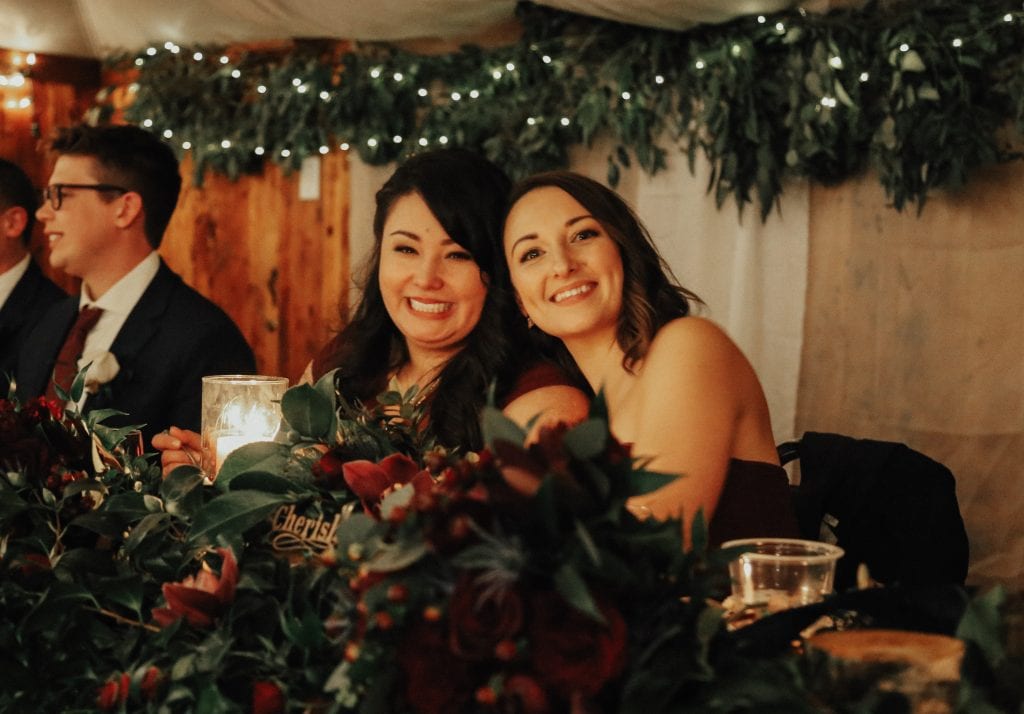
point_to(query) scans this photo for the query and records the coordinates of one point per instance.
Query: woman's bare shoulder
(690, 336)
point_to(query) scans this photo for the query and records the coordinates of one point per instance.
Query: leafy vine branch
(922, 93)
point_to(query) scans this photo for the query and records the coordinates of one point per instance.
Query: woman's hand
(178, 447)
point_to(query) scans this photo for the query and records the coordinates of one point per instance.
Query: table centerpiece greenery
(355, 566)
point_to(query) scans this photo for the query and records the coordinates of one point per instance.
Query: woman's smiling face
(431, 286)
(565, 267)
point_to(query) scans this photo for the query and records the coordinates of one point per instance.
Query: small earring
(529, 322)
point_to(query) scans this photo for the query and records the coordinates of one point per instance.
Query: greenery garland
(922, 93)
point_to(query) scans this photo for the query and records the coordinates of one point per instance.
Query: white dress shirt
(117, 303)
(9, 278)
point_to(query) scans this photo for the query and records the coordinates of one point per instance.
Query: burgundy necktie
(66, 368)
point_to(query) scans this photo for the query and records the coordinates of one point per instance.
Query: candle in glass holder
(238, 410)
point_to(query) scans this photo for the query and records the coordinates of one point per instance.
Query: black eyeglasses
(55, 193)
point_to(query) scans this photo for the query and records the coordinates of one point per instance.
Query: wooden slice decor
(923, 668)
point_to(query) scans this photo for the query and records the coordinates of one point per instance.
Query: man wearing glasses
(25, 293)
(149, 337)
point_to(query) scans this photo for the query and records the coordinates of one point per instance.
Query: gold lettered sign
(290, 532)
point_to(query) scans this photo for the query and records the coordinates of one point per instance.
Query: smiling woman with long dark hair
(604, 302)
(438, 310)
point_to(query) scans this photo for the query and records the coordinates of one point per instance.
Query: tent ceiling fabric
(96, 28)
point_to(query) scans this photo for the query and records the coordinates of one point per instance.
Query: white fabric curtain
(751, 275)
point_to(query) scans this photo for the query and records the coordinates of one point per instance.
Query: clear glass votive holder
(238, 409)
(781, 573)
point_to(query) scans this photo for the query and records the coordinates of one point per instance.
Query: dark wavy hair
(466, 193)
(651, 295)
(134, 159)
(16, 190)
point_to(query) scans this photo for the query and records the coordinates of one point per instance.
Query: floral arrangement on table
(356, 566)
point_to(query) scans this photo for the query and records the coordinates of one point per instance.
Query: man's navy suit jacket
(25, 306)
(170, 341)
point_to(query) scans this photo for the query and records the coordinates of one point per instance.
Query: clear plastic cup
(781, 573)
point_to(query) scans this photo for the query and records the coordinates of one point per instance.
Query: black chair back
(885, 504)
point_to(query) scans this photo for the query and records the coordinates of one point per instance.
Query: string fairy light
(429, 86)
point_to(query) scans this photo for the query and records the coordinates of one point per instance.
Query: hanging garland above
(922, 93)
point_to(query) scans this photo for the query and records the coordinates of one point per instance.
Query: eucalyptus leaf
(496, 426)
(151, 524)
(232, 514)
(263, 481)
(573, 588)
(587, 439)
(390, 557)
(643, 481)
(264, 456)
(308, 411)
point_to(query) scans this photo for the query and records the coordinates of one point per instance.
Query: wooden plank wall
(914, 332)
(278, 265)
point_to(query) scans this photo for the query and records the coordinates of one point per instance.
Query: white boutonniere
(103, 369)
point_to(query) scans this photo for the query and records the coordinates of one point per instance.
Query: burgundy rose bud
(267, 698)
(486, 459)
(114, 692)
(432, 613)
(151, 681)
(328, 471)
(506, 650)
(106, 700)
(487, 696)
(527, 693)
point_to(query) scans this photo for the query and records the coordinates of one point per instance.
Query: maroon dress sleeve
(537, 375)
(755, 502)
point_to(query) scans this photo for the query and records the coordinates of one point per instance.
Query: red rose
(571, 652)
(267, 698)
(200, 599)
(436, 681)
(481, 617)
